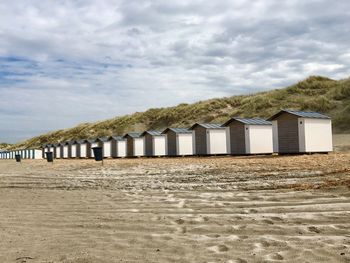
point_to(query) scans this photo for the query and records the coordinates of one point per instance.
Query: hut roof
(177, 130)
(102, 139)
(153, 133)
(251, 121)
(208, 126)
(115, 137)
(132, 135)
(302, 114)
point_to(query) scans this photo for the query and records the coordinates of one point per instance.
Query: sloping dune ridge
(215, 209)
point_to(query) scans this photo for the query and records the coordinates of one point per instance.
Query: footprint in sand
(313, 229)
(267, 221)
(219, 248)
(239, 260)
(180, 221)
(275, 256)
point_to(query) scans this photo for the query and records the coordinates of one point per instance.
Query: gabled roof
(177, 130)
(71, 142)
(208, 126)
(152, 133)
(85, 141)
(115, 137)
(132, 135)
(248, 121)
(102, 139)
(302, 114)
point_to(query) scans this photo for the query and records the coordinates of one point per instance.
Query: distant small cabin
(210, 139)
(154, 143)
(60, 150)
(178, 141)
(118, 146)
(134, 144)
(84, 148)
(73, 149)
(105, 144)
(301, 132)
(250, 136)
(94, 143)
(66, 146)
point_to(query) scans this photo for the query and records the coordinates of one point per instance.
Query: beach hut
(301, 132)
(178, 141)
(249, 136)
(72, 150)
(60, 150)
(105, 144)
(209, 139)
(65, 150)
(84, 148)
(154, 143)
(134, 144)
(37, 154)
(118, 146)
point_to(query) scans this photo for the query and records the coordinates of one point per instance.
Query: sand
(217, 209)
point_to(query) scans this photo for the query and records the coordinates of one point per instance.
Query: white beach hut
(65, 150)
(210, 139)
(73, 149)
(249, 136)
(134, 144)
(179, 141)
(301, 132)
(154, 143)
(84, 148)
(105, 144)
(118, 146)
(61, 150)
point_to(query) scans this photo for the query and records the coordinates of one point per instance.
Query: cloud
(66, 62)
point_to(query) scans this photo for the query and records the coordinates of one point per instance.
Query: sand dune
(227, 209)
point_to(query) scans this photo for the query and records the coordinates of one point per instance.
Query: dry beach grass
(215, 209)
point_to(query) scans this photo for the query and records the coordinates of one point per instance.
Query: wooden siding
(172, 145)
(237, 138)
(288, 133)
(148, 145)
(114, 149)
(129, 146)
(201, 140)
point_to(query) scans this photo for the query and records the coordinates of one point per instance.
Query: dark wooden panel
(288, 133)
(201, 140)
(130, 146)
(237, 138)
(171, 143)
(148, 145)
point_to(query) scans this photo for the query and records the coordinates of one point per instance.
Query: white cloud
(65, 62)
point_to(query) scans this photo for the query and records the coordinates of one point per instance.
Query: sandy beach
(215, 209)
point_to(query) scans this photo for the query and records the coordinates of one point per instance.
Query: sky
(65, 62)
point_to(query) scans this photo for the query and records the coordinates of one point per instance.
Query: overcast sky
(65, 62)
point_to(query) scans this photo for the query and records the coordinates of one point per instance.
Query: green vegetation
(316, 93)
(4, 146)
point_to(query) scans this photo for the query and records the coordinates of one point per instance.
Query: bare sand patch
(216, 209)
